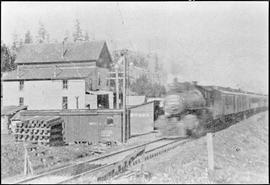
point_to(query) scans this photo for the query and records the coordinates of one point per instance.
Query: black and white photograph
(122, 92)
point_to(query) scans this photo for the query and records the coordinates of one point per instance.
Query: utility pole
(124, 100)
(27, 164)
(117, 86)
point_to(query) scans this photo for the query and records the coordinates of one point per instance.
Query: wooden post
(27, 164)
(25, 160)
(210, 152)
(124, 101)
(117, 87)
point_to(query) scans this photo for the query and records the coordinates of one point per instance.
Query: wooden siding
(87, 125)
(142, 119)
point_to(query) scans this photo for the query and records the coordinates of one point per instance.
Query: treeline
(8, 53)
(133, 57)
(43, 36)
(143, 86)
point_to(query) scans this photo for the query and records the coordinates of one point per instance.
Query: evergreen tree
(86, 36)
(28, 38)
(43, 35)
(15, 43)
(157, 67)
(7, 59)
(67, 35)
(21, 43)
(77, 35)
(143, 86)
(47, 37)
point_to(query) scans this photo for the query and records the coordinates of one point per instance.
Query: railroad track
(116, 168)
(91, 167)
(83, 167)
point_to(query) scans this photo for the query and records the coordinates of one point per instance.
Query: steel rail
(149, 154)
(62, 169)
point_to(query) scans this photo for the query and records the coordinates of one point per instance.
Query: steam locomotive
(190, 108)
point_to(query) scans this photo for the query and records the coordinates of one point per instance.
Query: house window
(90, 84)
(21, 85)
(65, 102)
(21, 101)
(65, 84)
(77, 102)
(110, 121)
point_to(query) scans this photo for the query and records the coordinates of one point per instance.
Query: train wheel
(191, 124)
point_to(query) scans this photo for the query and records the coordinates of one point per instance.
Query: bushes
(12, 159)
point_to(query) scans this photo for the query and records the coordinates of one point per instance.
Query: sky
(214, 43)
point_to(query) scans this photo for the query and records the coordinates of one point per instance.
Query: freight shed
(142, 118)
(82, 125)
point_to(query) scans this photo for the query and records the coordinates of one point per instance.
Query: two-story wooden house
(59, 76)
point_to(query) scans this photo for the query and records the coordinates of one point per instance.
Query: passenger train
(190, 108)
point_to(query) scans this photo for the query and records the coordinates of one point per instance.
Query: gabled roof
(49, 73)
(52, 52)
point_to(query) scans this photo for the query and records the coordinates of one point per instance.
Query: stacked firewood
(47, 130)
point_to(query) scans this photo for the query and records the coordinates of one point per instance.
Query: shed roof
(135, 106)
(12, 109)
(135, 100)
(52, 52)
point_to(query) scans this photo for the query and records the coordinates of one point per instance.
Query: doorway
(103, 101)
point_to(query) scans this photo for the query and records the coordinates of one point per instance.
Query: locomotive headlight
(173, 104)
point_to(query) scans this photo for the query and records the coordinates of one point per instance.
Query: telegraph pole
(124, 100)
(117, 87)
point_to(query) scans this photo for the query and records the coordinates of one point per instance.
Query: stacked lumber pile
(47, 130)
